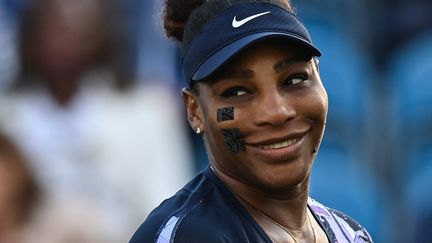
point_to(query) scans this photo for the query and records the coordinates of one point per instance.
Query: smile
(279, 144)
(279, 149)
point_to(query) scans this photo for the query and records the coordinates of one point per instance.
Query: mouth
(279, 145)
(279, 149)
(277, 142)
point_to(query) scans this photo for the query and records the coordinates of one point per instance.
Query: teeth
(279, 145)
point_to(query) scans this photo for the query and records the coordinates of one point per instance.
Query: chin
(280, 180)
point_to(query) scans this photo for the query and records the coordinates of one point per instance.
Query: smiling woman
(255, 94)
(280, 112)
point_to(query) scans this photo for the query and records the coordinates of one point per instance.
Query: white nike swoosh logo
(237, 24)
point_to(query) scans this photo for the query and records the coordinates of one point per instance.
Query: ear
(194, 111)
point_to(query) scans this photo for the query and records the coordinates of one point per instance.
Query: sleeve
(146, 232)
(352, 227)
(156, 222)
(188, 231)
(194, 230)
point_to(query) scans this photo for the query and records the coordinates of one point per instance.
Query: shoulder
(357, 232)
(149, 229)
(197, 213)
(338, 226)
(200, 212)
(212, 220)
(200, 219)
(164, 216)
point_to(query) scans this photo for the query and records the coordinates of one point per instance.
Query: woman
(75, 111)
(256, 97)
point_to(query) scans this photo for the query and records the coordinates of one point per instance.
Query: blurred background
(93, 132)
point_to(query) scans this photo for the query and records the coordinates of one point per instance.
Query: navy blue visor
(234, 29)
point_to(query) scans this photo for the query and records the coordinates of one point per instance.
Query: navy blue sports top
(205, 210)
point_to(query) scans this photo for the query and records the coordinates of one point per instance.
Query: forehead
(278, 53)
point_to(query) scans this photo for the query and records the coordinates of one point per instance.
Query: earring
(198, 130)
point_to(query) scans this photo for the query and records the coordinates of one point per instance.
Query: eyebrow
(248, 74)
(280, 66)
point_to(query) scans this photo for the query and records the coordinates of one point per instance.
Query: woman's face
(263, 116)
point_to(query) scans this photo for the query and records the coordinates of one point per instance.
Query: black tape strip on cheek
(225, 114)
(233, 139)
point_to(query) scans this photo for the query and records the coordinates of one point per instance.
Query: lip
(278, 154)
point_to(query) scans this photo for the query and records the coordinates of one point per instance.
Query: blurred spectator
(25, 216)
(94, 137)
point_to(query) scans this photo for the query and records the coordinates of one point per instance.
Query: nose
(274, 109)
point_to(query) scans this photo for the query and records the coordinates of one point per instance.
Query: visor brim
(224, 54)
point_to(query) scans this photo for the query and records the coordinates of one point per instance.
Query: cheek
(317, 96)
(225, 127)
(317, 104)
(323, 97)
(225, 114)
(317, 112)
(233, 138)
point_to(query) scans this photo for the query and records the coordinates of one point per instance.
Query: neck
(287, 207)
(63, 90)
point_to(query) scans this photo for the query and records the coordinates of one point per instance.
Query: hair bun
(175, 15)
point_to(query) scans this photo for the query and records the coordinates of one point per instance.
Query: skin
(63, 46)
(225, 114)
(12, 179)
(277, 95)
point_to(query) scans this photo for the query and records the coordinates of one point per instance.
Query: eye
(232, 92)
(240, 92)
(294, 80)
